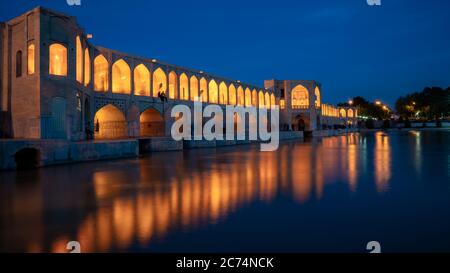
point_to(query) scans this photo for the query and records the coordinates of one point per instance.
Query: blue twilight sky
(350, 47)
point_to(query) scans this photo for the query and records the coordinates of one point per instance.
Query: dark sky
(350, 47)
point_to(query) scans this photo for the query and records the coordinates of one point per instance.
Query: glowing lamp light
(350, 102)
(378, 102)
(154, 60)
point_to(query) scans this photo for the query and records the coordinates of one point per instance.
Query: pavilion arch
(203, 89)
(159, 82)
(141, 80)
(101, 74)
(223, 93)
(267, 100)
(151, 123)
(261, 99)
(121, 77)
(300, 123)
(232, 95)
(193, 87)
(350, 113)
(79, 60)
(272, 101)
(240, 96)
(110, 123)
(342, 113)
(184, 87)
(87, 67)
(255, 98)
(318, 101)
(248, 97)
(58, 60)
(213, 92)
(300, 97)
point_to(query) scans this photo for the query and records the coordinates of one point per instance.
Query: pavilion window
(31, 59)
(58, 60)
(87, 67)
(79, 56)
(19, 64)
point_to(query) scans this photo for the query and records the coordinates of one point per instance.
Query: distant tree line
(430, 104)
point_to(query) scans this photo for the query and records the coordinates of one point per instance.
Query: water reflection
(382, 161)
(131, 204)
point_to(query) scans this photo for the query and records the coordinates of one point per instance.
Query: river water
(324, 195)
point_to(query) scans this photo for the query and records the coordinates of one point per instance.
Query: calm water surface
(333, 194)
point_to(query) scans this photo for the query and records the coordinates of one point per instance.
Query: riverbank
(23, 153)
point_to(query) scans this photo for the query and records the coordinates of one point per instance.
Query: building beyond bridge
(56, 85)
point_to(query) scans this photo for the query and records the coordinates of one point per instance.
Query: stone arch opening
(240, 96)
(152, 123)
(110, 123)
(159, 82)
(223, 93)
(317, 103)
(141, 80)
(248, 97)
(300, 123)
(213, 92)
(101, 73)
(121, 77)
(232, 95)
(194, 88)
(184, 87)
(27, 158)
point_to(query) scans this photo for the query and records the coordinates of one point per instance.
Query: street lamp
(350, 102)
(378, 102)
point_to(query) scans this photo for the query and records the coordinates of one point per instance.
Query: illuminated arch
(141, 80)
(255, 98)
(121, 77)
(204, 89)
(272, 101)
(261, 99)
(343, 113)
(240, 96)
(101, 73)
(267, 100)
(248, 97)
(31, 59)
(159, 82)
(79, 60)
(299, 97)
(58, 60)
(213, 91)
(350, 113)
(223, 93)
(173, 85)
(184, 87)
(110, 123)
(87, 67)
(232, 94)
(194, 88)
(318, 100)
(151, 123)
